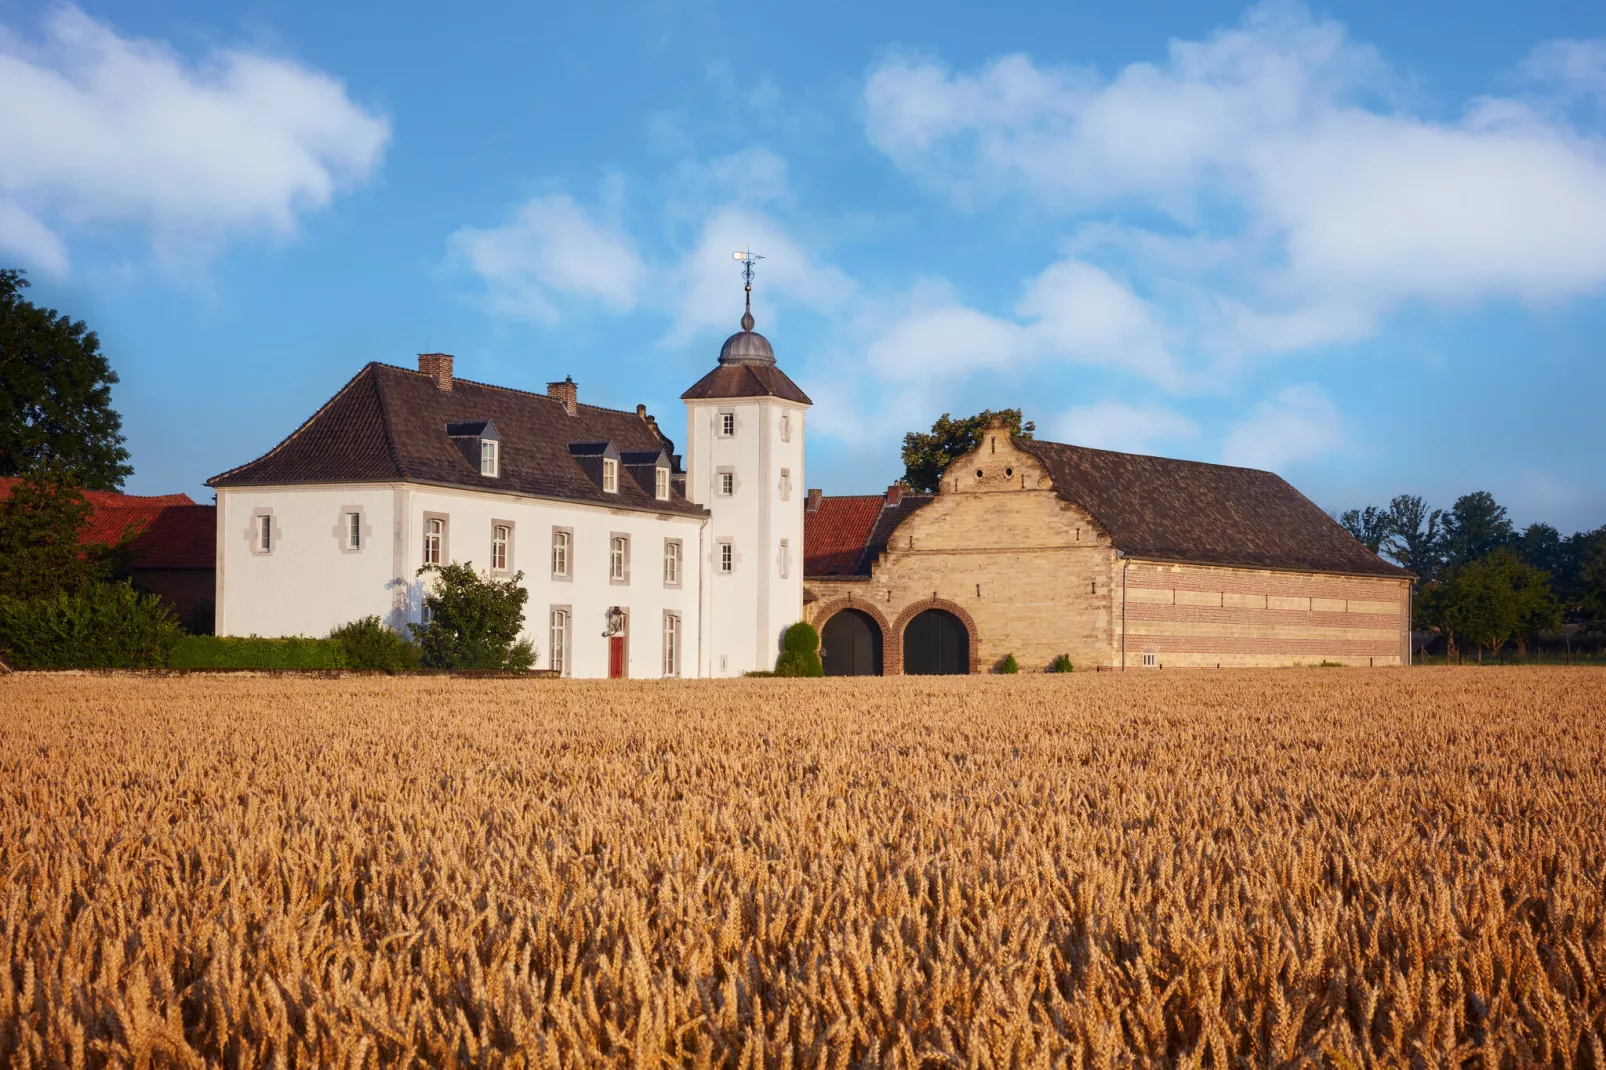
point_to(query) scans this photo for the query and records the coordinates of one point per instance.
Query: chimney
(438, 366)
(641, 412)
(813, 503)
(567, 393)
(895, 494)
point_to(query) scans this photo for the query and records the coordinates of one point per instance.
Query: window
(558, 642)
(1151, 660)
(671, 644)
(661, 487)
(434, 539)
(786, 427)
(727, 557)
(727, 482)
(262, 533)
(488, 450)
(562, 539)
(671, 562)
(727, 424)
(610, 475)
(501, 540)
(786, 558)
(619, 559)
(786, 484)
(354, 531)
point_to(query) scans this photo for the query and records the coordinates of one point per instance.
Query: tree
(473, 621)
(1416, 535)
(1491, 600)
(55, 394)
(1475, 527)
(927, 455)
(40, 553)
(1369, 526)
(1592, 581)
(800, 652)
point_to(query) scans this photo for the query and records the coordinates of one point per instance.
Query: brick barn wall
(1191, 616)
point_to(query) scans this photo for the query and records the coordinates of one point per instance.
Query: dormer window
(610, 475)
(661, 485)
(488, 458)
(479, 443)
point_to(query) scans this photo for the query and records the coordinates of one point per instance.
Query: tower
(744, 463)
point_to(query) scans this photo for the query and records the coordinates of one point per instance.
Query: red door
(616, 657)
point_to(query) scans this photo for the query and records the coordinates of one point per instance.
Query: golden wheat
(1261, 868)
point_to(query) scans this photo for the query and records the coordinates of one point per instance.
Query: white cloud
(1576, 68)
(25, 237)
(1297, 425)
(112, 131)
(551, 247)
(1117, 425)
(1277, 144)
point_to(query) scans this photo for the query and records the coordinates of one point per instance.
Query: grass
(1231, 868)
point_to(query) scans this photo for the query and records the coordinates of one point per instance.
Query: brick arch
(892, 641)
(831, 609)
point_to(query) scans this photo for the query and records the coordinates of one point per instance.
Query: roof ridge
(1018, 440)
(509, 389)
(384, 421)
(338, 394)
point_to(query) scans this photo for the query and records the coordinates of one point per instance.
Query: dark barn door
(850, 645)
(936, 644)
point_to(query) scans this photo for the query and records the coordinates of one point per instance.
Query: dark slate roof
(846, 534)
(746, 381)
(389, 424)
(1208, 514)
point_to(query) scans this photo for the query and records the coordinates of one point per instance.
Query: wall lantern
(616, 622)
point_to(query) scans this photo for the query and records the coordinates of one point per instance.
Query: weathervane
(748, 258)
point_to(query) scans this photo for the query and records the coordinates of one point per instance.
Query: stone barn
(1117, 560)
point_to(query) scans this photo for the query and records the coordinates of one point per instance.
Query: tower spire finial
(748, 258)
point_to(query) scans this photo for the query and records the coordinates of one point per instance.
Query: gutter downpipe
(1125, 564)
(702, 567)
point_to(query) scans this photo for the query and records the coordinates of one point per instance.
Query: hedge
(104, 626)
(232, 652)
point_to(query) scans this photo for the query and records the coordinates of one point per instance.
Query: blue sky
(1363, 245)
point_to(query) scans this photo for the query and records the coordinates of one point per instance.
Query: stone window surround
(254, 532)
(568, 637)
(719, 557)
(343, 529)
(507, 566)
(680, 563)
(625, 538)
(446, 537)
(566, 576)
(720, 420)
(719, 481)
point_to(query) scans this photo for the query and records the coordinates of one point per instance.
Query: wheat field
(1273, 868)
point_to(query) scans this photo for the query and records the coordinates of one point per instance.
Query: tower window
(786, 427)
(726, 558)
(727, 482)
(727, 424)
(786, 484)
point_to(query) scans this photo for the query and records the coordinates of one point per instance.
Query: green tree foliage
(1062, 663)
(927, 455)
(800, 652)
(1475, 527)
(1489, 601)
(372, 646)
(102, 626)
(1370, 526)
(39, 529)
(473, 621)
(1009, 666)
(55, 394)
(1592, 585)
(1415, 535)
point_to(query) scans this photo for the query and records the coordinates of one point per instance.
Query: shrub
(102, 626)
(1061, 664)
(474, 621)
(800, 652)
(368, 644)
(1009, 664)
(255, 652)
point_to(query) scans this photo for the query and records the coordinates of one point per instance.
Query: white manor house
(636, 565)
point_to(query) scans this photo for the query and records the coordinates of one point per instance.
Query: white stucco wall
(747, 610)
(309, 583)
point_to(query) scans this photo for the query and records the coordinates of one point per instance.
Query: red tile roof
(835, 534)
(170, 530)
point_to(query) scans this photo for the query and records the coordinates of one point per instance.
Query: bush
(1061, 664)
(1009, 665)
(800, 652)
(368, 644)
(474, 621)
(255, 652)
(102, 626)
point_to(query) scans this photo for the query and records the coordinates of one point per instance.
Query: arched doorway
(935, 643)
(850, 644)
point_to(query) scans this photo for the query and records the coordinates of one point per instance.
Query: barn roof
(1156, 508)
(390, 424)
(169, 530)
